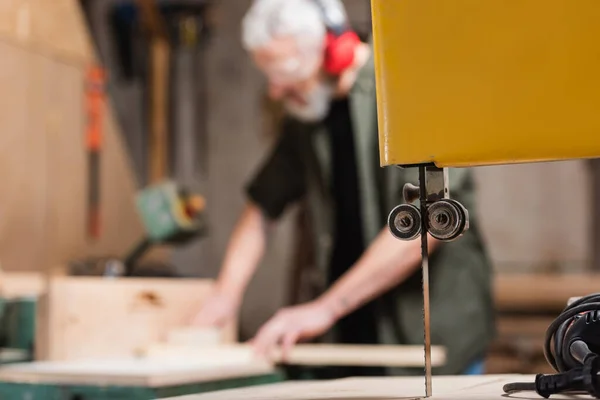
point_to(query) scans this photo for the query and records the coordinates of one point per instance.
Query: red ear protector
(341, 42)
(339, 51)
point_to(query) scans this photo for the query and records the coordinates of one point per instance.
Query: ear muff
(339, 51)
(341, 42)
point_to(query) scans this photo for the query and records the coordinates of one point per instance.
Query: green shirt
(299, 168)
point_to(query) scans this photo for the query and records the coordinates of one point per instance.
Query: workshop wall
(45, 50)
(538, 217)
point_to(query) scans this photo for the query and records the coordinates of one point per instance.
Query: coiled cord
(555, 334)
(580, 379)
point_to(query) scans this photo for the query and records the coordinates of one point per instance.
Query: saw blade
(426, 318)
(425, 272)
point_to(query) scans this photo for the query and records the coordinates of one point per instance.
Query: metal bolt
(441, 219)
(405, 221)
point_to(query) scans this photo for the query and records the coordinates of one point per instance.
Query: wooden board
(513, 291)
(132, 372)
(89, 317)
(483, 387)
(310, 354)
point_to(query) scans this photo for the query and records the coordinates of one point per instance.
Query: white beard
(317, 107)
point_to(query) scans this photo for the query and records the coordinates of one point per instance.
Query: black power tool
(572, 348)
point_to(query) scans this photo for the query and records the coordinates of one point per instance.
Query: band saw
(469, 83)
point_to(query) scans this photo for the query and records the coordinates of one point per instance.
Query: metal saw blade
(426, 320)
(425, 272)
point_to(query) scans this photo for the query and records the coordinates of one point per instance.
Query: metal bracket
(436, 183)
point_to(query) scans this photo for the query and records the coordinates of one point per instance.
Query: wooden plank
(483, 387)
(515, 291)
(311, 354)
(89, 317)
(131, 372)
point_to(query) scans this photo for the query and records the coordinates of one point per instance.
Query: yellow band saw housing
(483, 82)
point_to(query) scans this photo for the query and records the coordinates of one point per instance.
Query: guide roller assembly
(443, 218)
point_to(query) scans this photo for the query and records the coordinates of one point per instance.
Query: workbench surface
(483, 387)
(130, 379)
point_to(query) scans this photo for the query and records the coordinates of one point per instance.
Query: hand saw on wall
(95, 100)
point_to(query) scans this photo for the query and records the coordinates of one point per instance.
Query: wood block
(91, 317)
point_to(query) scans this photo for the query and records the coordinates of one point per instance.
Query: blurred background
(193, 109)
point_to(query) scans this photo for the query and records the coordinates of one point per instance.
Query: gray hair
(300, 19)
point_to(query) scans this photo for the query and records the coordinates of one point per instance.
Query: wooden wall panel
(52, 27)
(56, 102)
(22, 165)
(44, 160)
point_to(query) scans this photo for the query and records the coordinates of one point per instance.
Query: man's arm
(278, 183)
(386, 263)
(246, 248)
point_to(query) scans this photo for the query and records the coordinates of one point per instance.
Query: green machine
(17, 329)
(171, 215)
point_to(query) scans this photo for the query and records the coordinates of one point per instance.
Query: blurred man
(369, 283)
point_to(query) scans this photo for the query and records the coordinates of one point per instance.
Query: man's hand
(291, 325)
(219, 309)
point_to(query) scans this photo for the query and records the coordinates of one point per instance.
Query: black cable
(564, 318)
(570, 378)
(580, 351)
(514, 387)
